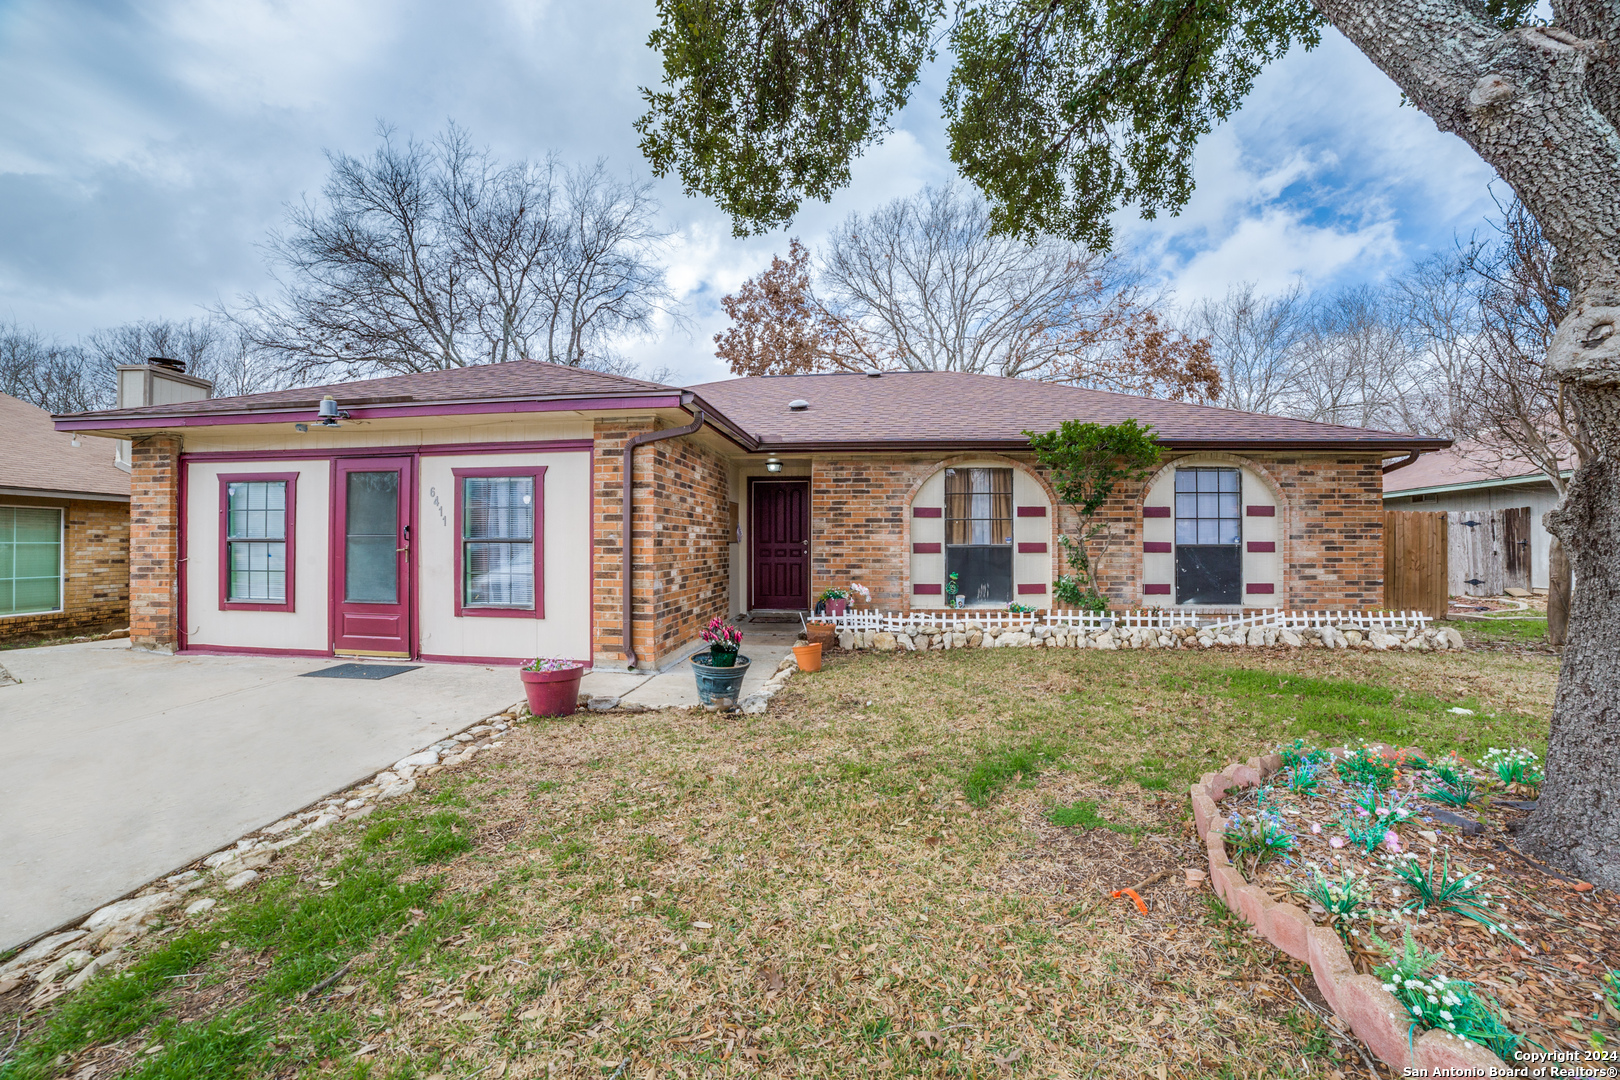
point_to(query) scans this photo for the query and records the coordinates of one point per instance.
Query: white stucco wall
(305, 627)
(565, 629)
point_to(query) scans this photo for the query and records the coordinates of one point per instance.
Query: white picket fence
(1141, 618)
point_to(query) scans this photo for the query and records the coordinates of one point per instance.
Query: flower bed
(1420, 928)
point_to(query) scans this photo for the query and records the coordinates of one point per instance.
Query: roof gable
(37, 457)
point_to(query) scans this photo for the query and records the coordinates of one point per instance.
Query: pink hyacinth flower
(1315, 828)
(1336, 841)
(1392, 841)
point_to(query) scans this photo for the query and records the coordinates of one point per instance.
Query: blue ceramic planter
(719, 686)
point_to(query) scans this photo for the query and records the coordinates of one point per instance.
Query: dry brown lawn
(862, 882)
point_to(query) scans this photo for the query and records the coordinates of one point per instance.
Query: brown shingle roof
(1465, 463)
(959, 409)
(35, 456)
(520, 379)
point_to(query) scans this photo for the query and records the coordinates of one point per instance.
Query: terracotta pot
(552, 693)
(823, 634)
(808, 656)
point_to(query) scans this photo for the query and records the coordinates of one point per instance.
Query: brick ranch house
(479, 513)
(64, 529)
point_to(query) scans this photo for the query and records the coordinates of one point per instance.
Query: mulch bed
(1550, 992)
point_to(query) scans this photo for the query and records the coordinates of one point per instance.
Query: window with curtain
(30, 560)
(256, 541)
(498, 537)
(979, 533)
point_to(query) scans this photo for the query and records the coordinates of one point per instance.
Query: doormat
(774, 617)
(360, 671)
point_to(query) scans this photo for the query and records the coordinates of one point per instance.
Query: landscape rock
(883, 641)
(136, 908)
(395, 790)
(93, 968)
(197, 907)
(246, 877)
(43, 949)
(63, 965)
(416, 761)
(602, 703)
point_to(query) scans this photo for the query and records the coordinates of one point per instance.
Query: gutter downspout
(625, 512)
(1411, 456)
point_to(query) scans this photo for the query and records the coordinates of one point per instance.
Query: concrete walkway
(763, 643)
(117, 767)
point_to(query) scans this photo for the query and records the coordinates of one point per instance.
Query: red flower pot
(553, 693)
(837, 607)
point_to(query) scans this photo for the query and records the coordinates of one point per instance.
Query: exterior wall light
(773, 466)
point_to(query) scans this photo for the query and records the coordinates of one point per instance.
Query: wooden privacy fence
(1415, 559)
(1489, 551)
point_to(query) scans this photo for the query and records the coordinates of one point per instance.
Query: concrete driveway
(116, 766)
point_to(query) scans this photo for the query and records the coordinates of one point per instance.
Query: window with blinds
(498, 537)
(1209, 534)
(30, 560)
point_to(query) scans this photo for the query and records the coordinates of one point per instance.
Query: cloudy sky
(147, 148)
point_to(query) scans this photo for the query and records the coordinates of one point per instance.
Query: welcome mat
(360, 671)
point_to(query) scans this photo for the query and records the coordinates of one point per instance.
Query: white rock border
(973, 635)
(69, 957)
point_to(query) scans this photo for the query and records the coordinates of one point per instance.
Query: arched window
(1210, 533)
(980, 537)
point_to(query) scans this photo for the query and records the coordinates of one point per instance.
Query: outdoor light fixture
(330, 413)
(773, 465)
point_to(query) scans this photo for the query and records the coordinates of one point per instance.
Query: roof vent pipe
(874, 374)
(798, 404)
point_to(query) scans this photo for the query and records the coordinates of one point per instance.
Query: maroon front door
(371, 556)
(781, 539)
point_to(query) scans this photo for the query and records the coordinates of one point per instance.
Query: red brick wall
(682, 572)
(154, 542)
(96, 566)
(1332, 506)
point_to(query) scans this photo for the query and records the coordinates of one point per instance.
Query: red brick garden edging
(1360, 1001)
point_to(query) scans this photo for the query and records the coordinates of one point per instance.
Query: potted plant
(551, 685)
(720, 671)
(837, 601)
(723, 640)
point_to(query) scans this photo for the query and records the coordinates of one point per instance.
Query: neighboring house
(1471, 477)
(64, 528)
(478, 514)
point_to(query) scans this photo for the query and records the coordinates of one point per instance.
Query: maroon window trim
(1157, 547)
(291, 539)
(1261, 511)
(924, 589)
(926, 549)
(538, 474)
(1031, 549)
(1026, 590)
(1156, 590)
(1155, 511)
(1032, 511)
(928, 511)
(1262, 545)
(1260, 587)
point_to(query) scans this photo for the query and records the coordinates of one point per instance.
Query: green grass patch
(1503, 629)
(1004, 766)
(1084, 814)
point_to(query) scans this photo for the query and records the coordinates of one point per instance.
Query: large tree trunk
(1541, 105)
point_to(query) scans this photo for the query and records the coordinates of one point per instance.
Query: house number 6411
(433, 493)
